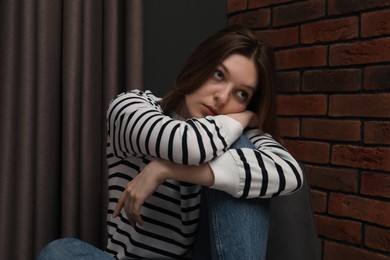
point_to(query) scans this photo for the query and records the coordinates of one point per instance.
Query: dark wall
(172, 29)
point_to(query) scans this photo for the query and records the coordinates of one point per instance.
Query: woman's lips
(210, 111)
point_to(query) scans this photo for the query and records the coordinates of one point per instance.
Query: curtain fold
(61, 62)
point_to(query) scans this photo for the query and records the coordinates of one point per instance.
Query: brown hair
(201, 64)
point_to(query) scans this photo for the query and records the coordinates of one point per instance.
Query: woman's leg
(237, 228)
(71, 249)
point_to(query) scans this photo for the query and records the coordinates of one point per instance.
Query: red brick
(318, 201)
(375, 23)
(339, 229)
(361, 52)
(236, 5)
(370, 210)
(362, 105)
(302, 105)
(330, 30)
(288, 81)
(321, 244)
(331, 80)
(280, 37)
(375, 184)
(298, 12)
(377, 77)
(335, 179)
(377, 132)
(361, 157)
(263, 3)
(315, 56)
(377, 238)
(289, 127)
(336, 251)
(342, 130)
(305, 151)
(253, 19)
(349, 6)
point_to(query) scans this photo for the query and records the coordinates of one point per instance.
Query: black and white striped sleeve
(268, 171)
(137, 127)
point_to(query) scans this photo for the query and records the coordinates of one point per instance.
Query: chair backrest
(292, 231)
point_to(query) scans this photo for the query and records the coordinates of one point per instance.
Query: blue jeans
(232, 228)
(72, 248)
(229, 229)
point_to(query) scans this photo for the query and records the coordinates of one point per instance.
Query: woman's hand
(153, 175)
(246, 118)
(139, 190)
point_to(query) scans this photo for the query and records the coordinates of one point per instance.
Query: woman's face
(227, 91)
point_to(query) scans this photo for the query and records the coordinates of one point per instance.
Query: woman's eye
(218, 74)
(243, 95)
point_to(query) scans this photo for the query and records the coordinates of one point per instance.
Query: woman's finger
(137, 212)
(119, 205)
(130, 207)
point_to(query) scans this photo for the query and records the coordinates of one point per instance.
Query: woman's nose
(222, 97)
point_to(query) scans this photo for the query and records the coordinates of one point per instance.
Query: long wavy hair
(203, 61)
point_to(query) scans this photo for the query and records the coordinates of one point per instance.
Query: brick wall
(333, 75)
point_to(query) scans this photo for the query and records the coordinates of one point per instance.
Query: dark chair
(292, 231)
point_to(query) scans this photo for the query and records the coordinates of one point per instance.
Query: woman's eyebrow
(250, 88)
(224, 68)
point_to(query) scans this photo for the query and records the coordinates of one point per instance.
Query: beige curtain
(61, 62)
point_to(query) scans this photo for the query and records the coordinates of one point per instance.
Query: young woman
(161, 151)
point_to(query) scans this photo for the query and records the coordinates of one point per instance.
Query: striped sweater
(138, 131)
